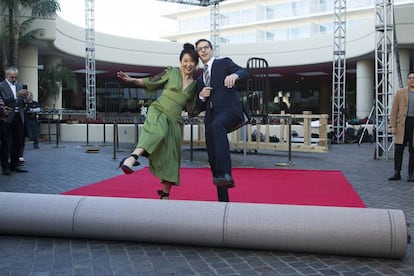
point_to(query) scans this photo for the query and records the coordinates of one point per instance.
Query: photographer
(4, 153)
(14, 96)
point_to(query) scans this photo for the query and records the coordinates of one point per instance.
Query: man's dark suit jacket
(8, 98)
(223, 98)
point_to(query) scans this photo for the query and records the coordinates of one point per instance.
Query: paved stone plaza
(53, 170)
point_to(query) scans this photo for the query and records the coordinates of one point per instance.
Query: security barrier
(297, 132)
(286, 132)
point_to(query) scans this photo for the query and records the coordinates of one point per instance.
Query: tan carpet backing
(313, 229)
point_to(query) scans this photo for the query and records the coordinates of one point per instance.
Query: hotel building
(295, 37)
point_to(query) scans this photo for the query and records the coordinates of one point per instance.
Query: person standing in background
(32, 109)
(4, 153)
(14, 97)
(401, 125)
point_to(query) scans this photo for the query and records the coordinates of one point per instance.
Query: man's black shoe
(6, 171)
(410, 178)
(225, 180)
(396, 176)
(18, 170)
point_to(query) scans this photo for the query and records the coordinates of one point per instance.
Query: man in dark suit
(13, 96)
(401, 125)
(223, 112)
(4, 153)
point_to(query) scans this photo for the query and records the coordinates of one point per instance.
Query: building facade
(294, 37)
(288, 24)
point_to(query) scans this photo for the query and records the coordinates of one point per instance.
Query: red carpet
(275, 186)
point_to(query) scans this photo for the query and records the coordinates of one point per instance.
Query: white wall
(127, 132)
(359, 42)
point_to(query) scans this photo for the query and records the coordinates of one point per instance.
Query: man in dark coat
(401, 125)
(14, 97)
(223, 112)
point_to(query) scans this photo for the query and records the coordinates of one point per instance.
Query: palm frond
(19, 33)
(53, 78)
(44, 8)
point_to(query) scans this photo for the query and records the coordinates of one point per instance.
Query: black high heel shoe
(163, 194)
(125, 168)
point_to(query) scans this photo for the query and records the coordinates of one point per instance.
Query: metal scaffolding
(384, 62)
(339, 72)
(90, 67)
(90, 71)
(215, 26)
(214, 19)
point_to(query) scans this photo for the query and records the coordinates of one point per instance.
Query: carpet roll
(330, 230)
(313, 229)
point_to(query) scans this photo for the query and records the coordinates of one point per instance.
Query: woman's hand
(126, 78)
(123, 76)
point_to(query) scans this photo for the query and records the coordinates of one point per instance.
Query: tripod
(366, 124)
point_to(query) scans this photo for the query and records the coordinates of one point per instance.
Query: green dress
(162, 132)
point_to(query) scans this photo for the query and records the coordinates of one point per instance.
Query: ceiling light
(310, 74)
(268, 75)
(84, 71)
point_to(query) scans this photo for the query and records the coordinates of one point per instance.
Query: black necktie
(206, 75)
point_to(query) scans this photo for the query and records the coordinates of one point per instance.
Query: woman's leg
(166, 188)
(128, 162)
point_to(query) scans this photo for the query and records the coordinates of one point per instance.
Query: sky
(129, 18)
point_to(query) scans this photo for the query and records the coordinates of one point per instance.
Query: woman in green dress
(161, 137)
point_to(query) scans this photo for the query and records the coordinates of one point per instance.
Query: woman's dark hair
(188, 48)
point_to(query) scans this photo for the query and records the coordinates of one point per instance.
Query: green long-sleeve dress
(162, 132)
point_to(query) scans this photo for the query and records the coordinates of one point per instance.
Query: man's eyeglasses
(199, 49)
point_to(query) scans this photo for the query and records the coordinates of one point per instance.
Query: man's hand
(6, 110)
(23, 93)
(205, 93)
(230, 80)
